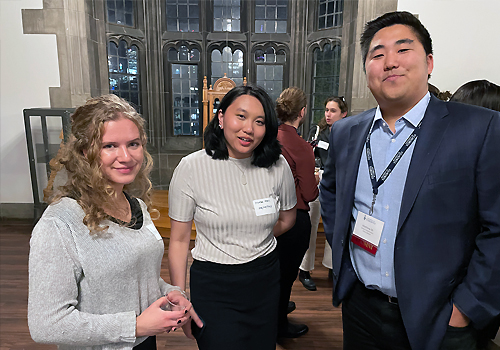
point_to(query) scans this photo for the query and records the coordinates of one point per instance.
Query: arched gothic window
(229, 63)
(124, 75)
(270, 67)
(326, 71)
(185, 90)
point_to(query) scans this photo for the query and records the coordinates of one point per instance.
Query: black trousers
(148, 344)
(371, 322)
(239, 303)
(292, 245)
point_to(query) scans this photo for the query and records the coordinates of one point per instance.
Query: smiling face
(333, 113)
(397, 67)
(243, 126)
(121, 152)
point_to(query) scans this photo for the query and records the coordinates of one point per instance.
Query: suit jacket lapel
(433, 127)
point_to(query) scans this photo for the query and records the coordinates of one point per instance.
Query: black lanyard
(399, 154)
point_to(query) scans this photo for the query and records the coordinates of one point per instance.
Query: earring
(220, 125)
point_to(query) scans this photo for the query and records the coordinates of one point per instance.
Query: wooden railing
(160, 202)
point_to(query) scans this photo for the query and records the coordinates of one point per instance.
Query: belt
(376, 294)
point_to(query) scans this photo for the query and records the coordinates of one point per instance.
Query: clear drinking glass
(173, 302)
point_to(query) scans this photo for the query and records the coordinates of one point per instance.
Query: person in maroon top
(292, 245)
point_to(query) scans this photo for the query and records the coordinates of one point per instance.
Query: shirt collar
(414, 116)
(289, 127)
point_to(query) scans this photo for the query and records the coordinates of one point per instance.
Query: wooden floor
(313, 308)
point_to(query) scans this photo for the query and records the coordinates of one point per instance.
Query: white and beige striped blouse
(219, 196)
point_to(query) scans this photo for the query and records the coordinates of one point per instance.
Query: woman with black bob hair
(269, 150)
(240, 193)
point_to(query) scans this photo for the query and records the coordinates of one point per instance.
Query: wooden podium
(212, 95)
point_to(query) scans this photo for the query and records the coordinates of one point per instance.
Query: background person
(485, 94)
(291, 109)
(95, 257)
(319, 135)
(421, 176)
(240, 193)
(479, 93)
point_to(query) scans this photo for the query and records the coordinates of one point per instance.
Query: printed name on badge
(324, 145)
(367, 232)
(264, 206)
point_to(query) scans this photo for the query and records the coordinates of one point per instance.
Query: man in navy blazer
(410, 201)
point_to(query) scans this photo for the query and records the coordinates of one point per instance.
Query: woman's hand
(154, 320)
(178, 298)
(187, 327)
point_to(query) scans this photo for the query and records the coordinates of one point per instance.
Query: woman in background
(319, 135)
(240, 193)
(479, 93)
(95, 257)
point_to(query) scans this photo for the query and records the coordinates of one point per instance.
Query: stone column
(352, 79)
(298, 44)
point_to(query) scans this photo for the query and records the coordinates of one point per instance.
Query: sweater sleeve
(54, 272)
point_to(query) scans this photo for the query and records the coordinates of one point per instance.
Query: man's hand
(458, 319)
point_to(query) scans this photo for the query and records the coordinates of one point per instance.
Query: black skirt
(238, 303)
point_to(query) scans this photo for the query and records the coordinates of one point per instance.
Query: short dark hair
(479, 93)
(390, 19)
(268, 151)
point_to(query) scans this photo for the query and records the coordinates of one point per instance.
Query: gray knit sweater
(85, 291)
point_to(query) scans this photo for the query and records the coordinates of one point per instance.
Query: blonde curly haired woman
(95, 256)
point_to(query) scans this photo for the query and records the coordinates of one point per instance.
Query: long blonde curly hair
(86, 182)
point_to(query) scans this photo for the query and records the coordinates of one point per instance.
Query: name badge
(264, 206)
(152, 228)
(323, 144)
(367, 232)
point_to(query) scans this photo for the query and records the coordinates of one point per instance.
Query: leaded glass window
(185, 91)
(228, 63)
(326, 68)
(121, 12)
(271, 16)
(270, 70)
(123, 67)
(227, 15)
(183, 16)
(330, 13)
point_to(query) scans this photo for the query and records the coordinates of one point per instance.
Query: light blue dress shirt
(377, 271)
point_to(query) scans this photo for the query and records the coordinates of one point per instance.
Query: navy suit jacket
(447, 248)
